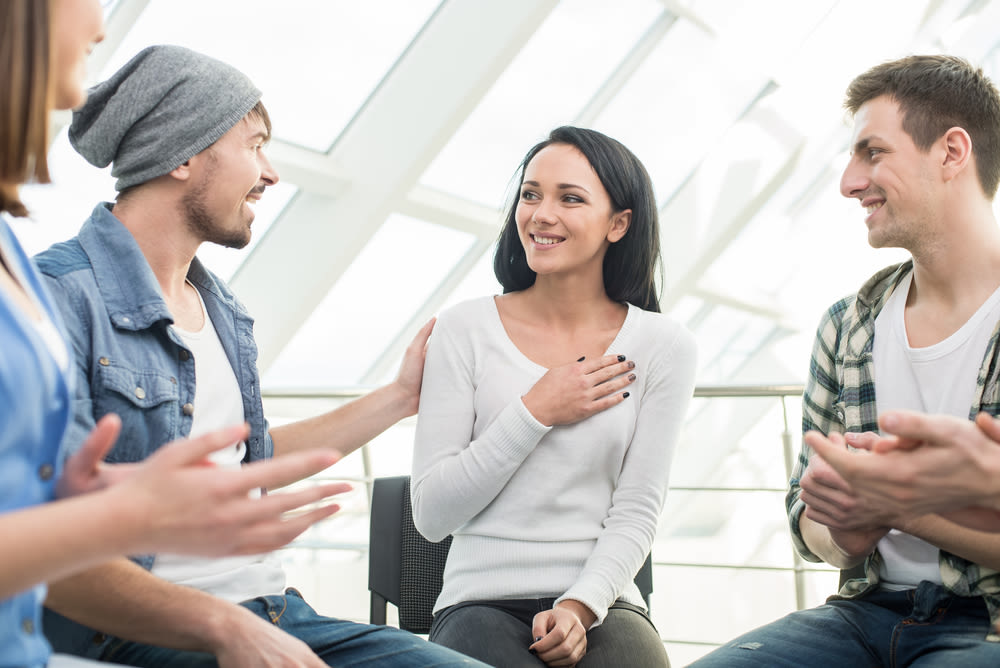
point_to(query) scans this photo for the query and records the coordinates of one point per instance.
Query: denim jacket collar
(125, 279)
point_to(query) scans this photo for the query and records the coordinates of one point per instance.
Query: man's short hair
(936, 93)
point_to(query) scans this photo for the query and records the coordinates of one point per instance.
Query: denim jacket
(128, 360)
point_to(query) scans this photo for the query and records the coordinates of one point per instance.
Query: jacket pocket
(146, 400)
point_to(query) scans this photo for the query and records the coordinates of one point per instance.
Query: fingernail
(631, 364)
(537, 638)
(532, 651)
(850, 437)
(625, 395)
(582, 358)
(631, 376)
(889, 420)
(621, 358)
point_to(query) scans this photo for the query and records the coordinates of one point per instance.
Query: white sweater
(536, 511)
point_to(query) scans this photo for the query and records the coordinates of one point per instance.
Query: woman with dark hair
(548, 419)
(172, 501)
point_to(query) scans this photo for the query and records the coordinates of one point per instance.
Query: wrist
(125, 520)
(535, 410)
(402, 401)
(218, 621)
(579, 610)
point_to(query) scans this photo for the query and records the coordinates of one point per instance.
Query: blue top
(34, 411)
(126, 358)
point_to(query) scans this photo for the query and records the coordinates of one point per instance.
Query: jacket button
(28, 626)
(45, 471)
(104, 361)
(184, 355)
(140, 393)
(188, 409)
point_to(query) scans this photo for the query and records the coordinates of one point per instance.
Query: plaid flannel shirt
(840, 396)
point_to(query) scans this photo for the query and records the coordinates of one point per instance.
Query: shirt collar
(876, 290)
(124, 278)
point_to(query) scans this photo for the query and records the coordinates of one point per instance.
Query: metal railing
(781, 392)
(788, 436)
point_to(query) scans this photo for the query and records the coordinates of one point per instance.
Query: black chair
(405, 569)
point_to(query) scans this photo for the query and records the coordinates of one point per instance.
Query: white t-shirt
(218, 404)
(938, 379)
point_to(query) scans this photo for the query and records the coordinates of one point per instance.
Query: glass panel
(726, 339)
(548, 84)
(742, 600)
(671, 113)
(77, 186)
(716, 608)
(390, 278)
(339, 49)
(738, 444)
(480, 281)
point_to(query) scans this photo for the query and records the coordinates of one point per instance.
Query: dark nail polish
(631, 376)
(621, 358)
(625, 395)
(532, 651)
(582, 358)
(537, 638)
(631, 364)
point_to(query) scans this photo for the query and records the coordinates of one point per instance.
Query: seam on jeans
(276, 616)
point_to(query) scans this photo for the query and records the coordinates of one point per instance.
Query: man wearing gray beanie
(184, 135)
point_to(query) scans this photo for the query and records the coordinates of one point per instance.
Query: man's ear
(619, 225)
(957, 146)
(183, 171)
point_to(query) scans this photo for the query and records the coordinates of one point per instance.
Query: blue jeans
(499, 633)
(925, 627)
(338, 642)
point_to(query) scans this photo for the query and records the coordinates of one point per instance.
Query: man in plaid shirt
(919, 336)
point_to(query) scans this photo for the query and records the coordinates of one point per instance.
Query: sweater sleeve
(455, 476)
(641, 489)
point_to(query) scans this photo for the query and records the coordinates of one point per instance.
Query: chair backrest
(405, 569)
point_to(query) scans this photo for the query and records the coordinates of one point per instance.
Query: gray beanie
(164, 106)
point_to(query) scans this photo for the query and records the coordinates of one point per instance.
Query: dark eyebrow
(864, 143)
(561, 186)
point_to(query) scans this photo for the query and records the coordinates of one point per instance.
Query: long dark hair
(631, 264)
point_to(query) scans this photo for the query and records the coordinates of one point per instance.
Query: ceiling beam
(432, 88)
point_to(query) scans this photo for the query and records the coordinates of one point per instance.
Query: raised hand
(183, 504)
(85, 471)
(575, 391)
